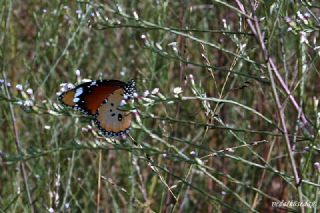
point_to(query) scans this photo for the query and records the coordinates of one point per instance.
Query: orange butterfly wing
(110, 119)
(102, 99)
(87, 97)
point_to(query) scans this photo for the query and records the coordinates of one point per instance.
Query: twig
(13, 118)
(254, 27)
(272, 70)
(19, 149)
(99, 181)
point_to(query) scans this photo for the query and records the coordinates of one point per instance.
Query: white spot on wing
(79, 91)
(75, 100)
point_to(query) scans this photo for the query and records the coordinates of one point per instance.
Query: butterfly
(101, 99)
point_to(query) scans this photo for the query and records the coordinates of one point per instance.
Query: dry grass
(233, 125)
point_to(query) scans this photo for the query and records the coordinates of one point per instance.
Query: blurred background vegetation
(215, 125)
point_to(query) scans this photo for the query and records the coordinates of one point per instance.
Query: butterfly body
(101, 99)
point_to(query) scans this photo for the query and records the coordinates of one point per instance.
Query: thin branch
(13, 118)
(19, 150)
(272, 70)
